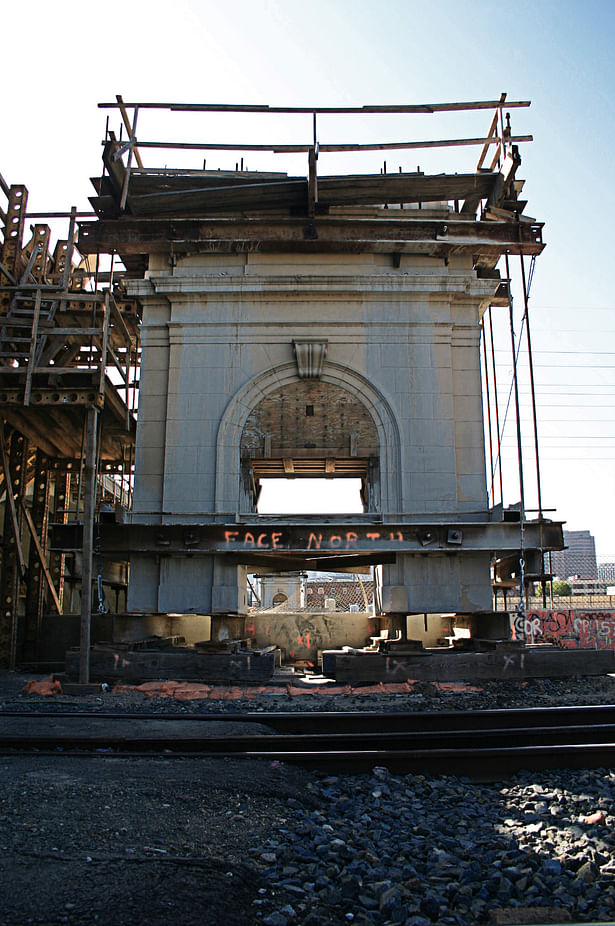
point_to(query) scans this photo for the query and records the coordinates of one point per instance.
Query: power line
(586, 420)
(610, 353)
(567, 459)
(565, 308)
(579, 385)
(577, 366)
(579, 437)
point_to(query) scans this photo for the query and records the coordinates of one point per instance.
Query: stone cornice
(306, 285)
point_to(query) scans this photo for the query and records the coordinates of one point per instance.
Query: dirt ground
(135, 841)
(131, 841)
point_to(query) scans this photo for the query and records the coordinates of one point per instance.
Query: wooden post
(89, 506)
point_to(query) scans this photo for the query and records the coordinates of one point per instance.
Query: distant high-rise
(579, 559)
(606, 571)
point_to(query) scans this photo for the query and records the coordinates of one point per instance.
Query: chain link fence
(558, 603)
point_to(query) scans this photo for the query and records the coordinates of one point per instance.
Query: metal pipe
(532, 385)
(497, 404)
(488, 396)
(519, 450)
(89, 506)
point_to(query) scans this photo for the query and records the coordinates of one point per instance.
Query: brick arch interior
(310, 428)
(307, 416)
(362, 423)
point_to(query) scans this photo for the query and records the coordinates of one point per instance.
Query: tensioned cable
(526, 306)
(510, 393)
(515, 387)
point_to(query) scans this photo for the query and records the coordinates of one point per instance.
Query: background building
(606, 571)
(588, 587)
(579, 559)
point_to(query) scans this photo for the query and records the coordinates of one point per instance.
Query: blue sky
(556, 54)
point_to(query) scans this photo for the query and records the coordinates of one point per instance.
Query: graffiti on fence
(568, 629)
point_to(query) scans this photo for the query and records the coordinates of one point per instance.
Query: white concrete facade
(217, 338)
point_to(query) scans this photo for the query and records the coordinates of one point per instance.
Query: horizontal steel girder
(312, 540)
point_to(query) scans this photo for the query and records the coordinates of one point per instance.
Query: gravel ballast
(200, 841)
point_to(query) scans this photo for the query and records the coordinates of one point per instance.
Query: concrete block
(148, 493)
(529, 662)
(143, 584)
(394, 598)
(185, 584)
(466, 383)
(471, 489)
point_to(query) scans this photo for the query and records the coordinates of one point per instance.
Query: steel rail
(489, 751)
(363, 721)
(308, 743)
(483, 763)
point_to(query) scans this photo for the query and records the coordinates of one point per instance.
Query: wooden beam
(262, 108)
(285, 194)
(503, 179)
(336, 235)
(339, 147)
(271, 562)
(492, 131)
(414, 145)
(126, 121)
(41, 556)
(370, 189)
(115, 169)
(133, 130)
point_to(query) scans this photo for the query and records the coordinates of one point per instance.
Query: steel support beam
(89, 507)
(61, 501)
(14, 460)
(312, 541)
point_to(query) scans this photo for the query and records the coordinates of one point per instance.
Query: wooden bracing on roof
(216, 210)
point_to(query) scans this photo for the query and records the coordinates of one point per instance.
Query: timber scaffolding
(69, 350)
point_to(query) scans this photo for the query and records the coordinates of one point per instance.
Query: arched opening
(317, 433)
(310, 496)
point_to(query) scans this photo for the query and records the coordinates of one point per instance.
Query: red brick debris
(44, 686)
(592, 818)
(198, 691)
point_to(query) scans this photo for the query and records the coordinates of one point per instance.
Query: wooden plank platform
(438, 665)
(114, 664)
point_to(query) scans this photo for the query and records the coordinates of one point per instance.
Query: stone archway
(361, 413)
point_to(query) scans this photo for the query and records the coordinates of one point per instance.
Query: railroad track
(480, 744)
